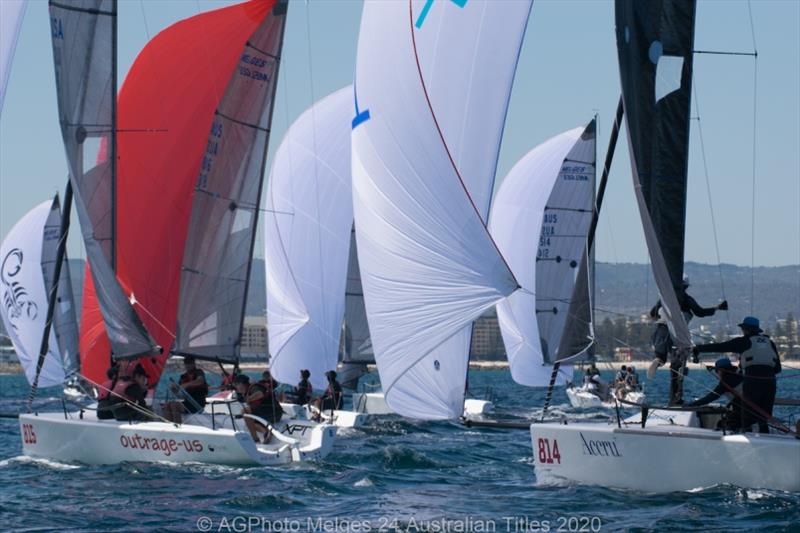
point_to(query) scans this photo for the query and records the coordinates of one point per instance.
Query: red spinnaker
(165, 110)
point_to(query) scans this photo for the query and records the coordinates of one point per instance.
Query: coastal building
(254, 339)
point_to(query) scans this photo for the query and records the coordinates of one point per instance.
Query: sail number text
(28, 435)
(548, 454)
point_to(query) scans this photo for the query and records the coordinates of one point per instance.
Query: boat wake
(47, 463)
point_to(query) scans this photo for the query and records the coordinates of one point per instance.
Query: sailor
(105, 400)
(730, 386)
(333, 397)
(257, 403)
(632, 379)
(662, 340)
(301, 394)
(622, 374)
(132, 396)
(760, 362)
(193, 382)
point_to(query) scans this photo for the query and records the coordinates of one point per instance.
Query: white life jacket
(760, 353)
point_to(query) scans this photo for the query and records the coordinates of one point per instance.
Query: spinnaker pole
(612, 145)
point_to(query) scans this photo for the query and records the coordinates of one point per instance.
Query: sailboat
(28, 256)
(544, 210)
(424, 152)
(206, 168)
(309, 219)
(662, 450)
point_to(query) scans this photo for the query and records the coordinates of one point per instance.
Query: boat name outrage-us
(166, 446)
(603, 448)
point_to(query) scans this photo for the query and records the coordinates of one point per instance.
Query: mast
(281, 8)
(53, 290)
(113, 136)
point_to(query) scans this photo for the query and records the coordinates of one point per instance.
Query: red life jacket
(119, 390)
(104, 392)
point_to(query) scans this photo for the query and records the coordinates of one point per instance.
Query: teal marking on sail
(427, 7)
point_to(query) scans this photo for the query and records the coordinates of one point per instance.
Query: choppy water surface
(395, 473)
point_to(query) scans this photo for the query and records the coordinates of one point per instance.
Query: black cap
(241, 378)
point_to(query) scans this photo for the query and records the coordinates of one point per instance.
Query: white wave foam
(48, 463)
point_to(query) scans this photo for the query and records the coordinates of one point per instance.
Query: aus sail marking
(427, 7)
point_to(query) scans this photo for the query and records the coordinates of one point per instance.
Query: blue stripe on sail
(427, 7)
(361, 116)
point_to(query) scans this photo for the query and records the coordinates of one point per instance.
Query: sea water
(392, 475)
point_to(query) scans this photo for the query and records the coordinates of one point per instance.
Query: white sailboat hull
(374, 403)
(291, 411)
(663, 458)
(584, 398)
(91, 441)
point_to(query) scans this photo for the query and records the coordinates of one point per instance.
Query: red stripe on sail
(165, 110)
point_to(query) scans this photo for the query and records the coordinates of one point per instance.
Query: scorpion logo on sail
(15, 296)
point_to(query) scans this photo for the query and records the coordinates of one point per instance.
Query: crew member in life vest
(333, 397)
(759, 362)
(131, 395)
(105, 400)
(257, 402)
(193, 382)
(662, 340)
(729, 386)
(301, 394)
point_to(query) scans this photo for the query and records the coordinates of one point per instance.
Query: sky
(567, 72)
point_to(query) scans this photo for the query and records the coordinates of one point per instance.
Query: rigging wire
(753, 199)
(710, 202)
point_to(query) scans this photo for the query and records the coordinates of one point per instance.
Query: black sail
(217, 257)
(84, 50)
(655, 46)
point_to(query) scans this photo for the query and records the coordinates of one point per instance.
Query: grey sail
(65, 325)
(655, 47)
(357, 353)
(84, 49)
(563, 303)
(215, 271)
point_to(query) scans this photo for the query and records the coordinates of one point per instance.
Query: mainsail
(431, 91)
(357, 350)
(65, 324)
(540, 220)
(219, 246)
(307, 230)
(24, 254)
(655, 47)
(84, 48)
(166, 111)
(12, 13)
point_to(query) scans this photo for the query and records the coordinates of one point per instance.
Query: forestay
(307, 230)
(217, 258)
(83, 35)
(24, 294)
(12, 12)
(540, 220)
(655, 47)
(431, 93)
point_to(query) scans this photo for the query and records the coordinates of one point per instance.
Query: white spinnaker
(540, 218)
(11, 14)
(24, 296)
(308, 224)
(432, 86)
